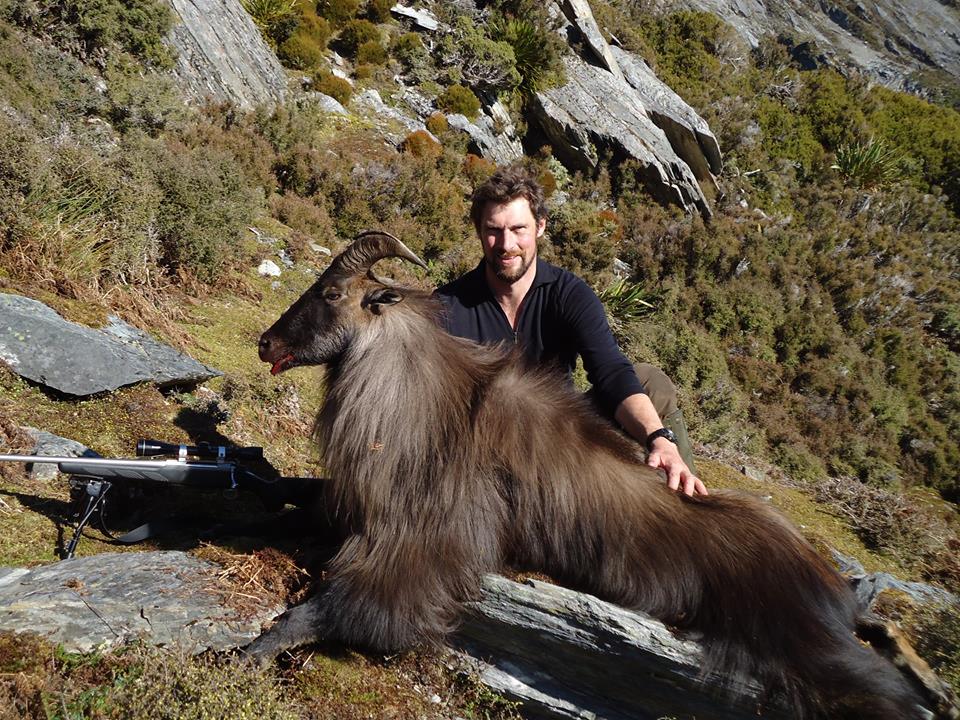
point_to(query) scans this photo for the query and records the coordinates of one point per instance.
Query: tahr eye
(333, 296)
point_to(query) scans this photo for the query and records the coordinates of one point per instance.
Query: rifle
(216, 467)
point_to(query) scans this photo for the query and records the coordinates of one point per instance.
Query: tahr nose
(265, 345)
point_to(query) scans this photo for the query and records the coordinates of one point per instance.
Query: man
(514, 296)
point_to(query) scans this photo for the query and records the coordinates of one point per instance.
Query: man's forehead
(518, 205)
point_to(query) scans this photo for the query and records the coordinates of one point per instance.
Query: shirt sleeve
(609, 371)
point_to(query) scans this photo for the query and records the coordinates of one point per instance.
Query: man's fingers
(700, 488)
(673, 478)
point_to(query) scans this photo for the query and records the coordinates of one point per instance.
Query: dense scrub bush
(379, 10)
(204, 210)
(301, 51)
(338, 12)
(355, 33)
(91, 29)
(583, 238)
(336, 87)
(469, 56)
(459, 99)
(437, 123)
(371, 53)
(420, 144)
(925, 132)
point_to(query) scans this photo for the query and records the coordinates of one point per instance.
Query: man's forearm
(637, 415)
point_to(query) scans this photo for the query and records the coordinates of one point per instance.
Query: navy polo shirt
(561, 317)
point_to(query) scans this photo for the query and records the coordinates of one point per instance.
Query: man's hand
(665, 456)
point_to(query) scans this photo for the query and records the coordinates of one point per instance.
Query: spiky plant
(276, 19)
(625, 302)
(868, 164)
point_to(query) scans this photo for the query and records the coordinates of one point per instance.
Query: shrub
(834, 113)
(477, 60)
(459, 99)
(408, 48)
(477, 169)
(371, 53)
(583, 240)
(204, 209)
(421, 144)
(379, 10)
(338, 12)
(301, 52)
(925, 132)
(308, 216)
(355, 33)
(148, 101)
(276, 19)
(93, 29)
(336, 87)
(316, 27)
(437, 123)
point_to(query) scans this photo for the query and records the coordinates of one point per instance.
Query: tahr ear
(380, 298)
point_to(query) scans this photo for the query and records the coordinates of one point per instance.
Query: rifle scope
(151, 448)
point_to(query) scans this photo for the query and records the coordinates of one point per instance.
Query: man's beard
(511, 275)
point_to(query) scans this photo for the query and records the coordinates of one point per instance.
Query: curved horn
(366, 249)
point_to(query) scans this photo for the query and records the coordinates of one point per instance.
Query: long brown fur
(451, 460)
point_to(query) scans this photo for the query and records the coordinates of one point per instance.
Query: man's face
(508, 234)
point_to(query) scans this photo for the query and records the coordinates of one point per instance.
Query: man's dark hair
(509, 183)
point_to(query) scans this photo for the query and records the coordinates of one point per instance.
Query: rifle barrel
(169, 471)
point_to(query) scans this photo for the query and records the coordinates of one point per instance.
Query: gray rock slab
(420, 17)
(578, 12)
(221, 55)
(387, 118)
(689, 134)
(501, 146)
(41, 346)
(566, 654)
(163, 598)
(593, 111)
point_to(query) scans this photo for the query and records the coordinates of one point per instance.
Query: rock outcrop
(611, 102)
(595, 112)
(162, 598)
(221, 55)
(889, 39)
(566, 654)
(38, 344)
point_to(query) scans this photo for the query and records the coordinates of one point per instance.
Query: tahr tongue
(279, 365)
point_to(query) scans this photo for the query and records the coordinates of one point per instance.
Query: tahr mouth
(285, 363)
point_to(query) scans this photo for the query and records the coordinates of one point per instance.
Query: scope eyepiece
(152, 448)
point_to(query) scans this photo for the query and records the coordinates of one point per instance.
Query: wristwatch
(661, 433)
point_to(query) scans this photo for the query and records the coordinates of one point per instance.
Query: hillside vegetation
(812, 325)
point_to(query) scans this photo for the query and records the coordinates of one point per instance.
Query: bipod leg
(97, 490)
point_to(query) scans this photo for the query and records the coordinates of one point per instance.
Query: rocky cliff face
(221, 55)
(890, 40)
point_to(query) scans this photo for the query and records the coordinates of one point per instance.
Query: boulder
(594, 111)
(162, 598)
(420, 17)
(222, 56)
(566, 654)
(492, 134)
(688, 133)
(38, 344)
(53, 445)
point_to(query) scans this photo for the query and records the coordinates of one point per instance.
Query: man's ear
(541, 226)
(380, 298)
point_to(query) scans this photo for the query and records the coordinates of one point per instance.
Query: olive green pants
(663, 394)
